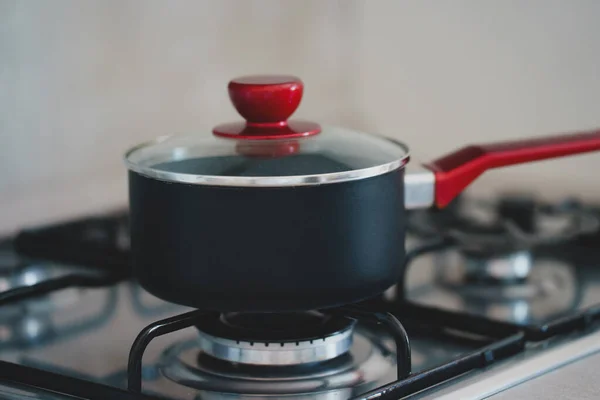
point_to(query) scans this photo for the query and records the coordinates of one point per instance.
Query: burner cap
(275, 339)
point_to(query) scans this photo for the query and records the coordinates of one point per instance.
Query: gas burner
(16, 272)
(513, 277)
(548, 289)
(29, 322)
(497, 268)
(26, 275)
(275, 339)
(366, 364)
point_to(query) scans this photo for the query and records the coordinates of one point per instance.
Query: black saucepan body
(267, 249)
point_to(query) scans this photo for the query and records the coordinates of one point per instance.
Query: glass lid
(267, 149)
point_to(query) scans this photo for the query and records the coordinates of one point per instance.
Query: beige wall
(80, 81)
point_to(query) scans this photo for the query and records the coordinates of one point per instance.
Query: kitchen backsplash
(81, 81)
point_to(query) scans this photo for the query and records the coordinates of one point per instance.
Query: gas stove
(496, 296)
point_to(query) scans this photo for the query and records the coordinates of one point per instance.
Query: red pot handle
(455, 171)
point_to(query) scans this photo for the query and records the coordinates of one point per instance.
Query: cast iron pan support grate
(152, 331)
(394, 326)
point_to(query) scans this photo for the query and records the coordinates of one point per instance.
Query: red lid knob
(266, 98)
(266, 102)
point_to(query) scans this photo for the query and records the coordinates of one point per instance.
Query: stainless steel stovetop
(517, 323)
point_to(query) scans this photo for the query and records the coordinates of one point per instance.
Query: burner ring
(275, 339)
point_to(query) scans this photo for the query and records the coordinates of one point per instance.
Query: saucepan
(278, 215)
